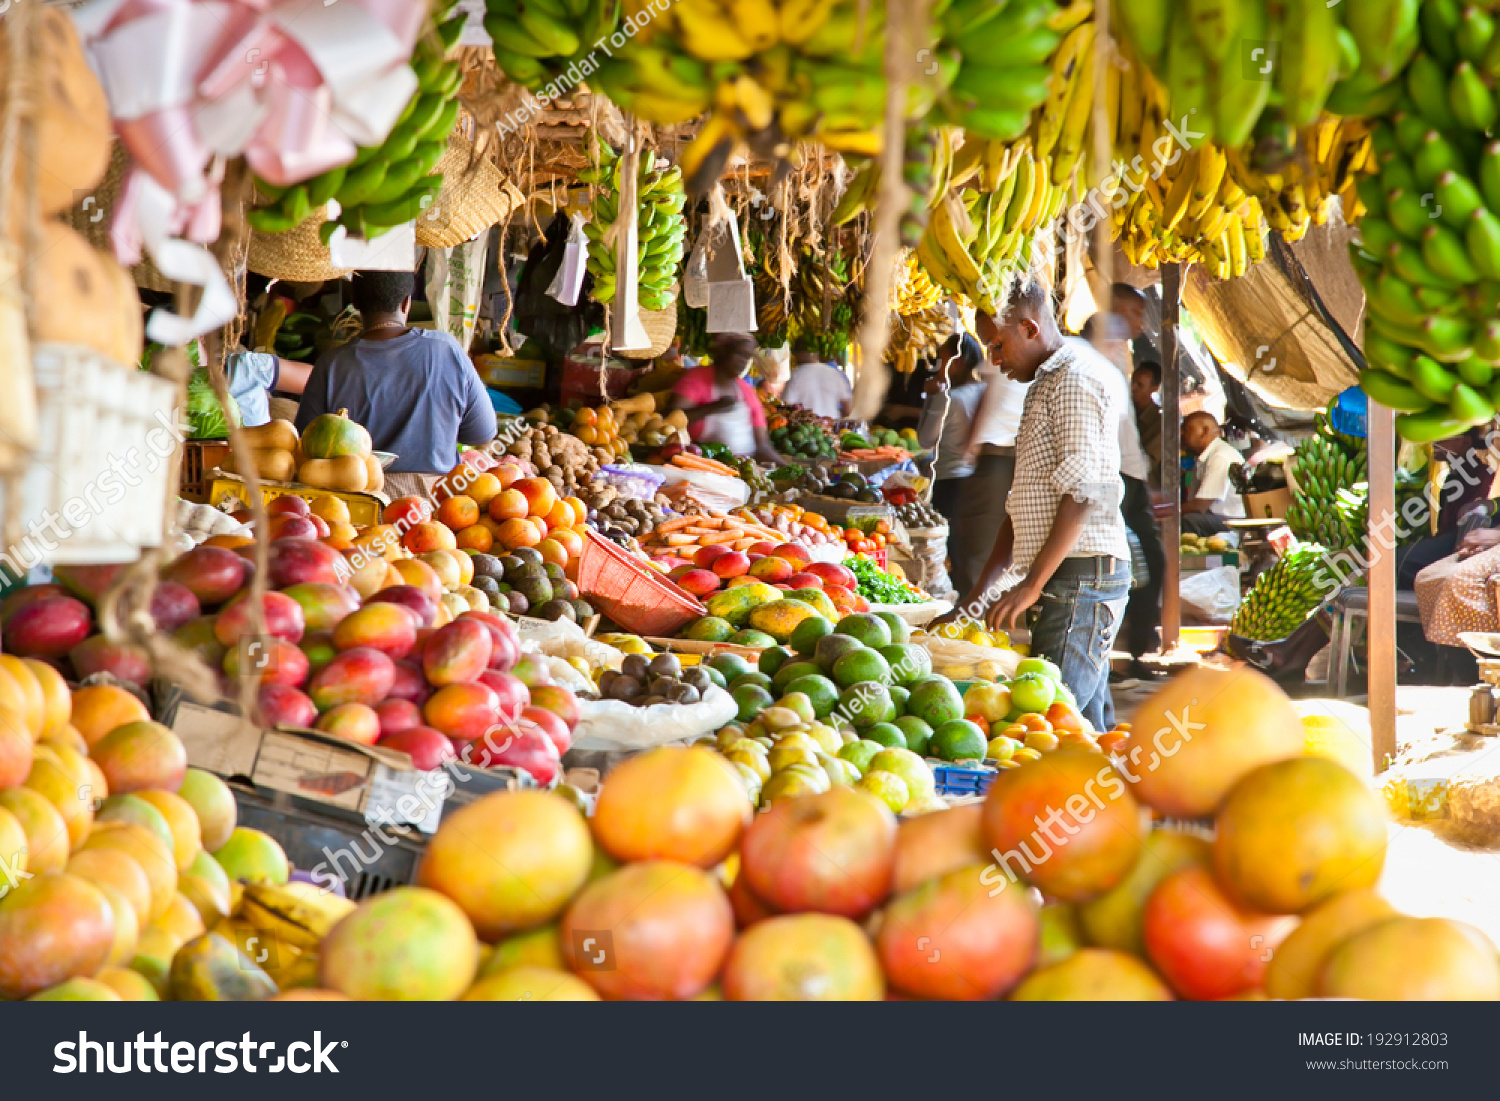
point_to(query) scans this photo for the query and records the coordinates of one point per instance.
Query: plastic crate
(333, 844)
(631, 593)
(198, 458)
(966, 778)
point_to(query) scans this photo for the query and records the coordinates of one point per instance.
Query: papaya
(334, 435)
(347, 472)
(779, 618)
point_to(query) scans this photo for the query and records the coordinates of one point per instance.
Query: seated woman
(1457, 594)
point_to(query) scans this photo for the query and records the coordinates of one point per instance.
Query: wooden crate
(199, 458)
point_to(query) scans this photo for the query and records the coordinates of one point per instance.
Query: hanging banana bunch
(912, 292)
(1429, 250)
(915, 335)
(385, 185)
(537, 41)
(660, 228)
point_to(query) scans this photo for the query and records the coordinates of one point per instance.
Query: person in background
(721, 406)
(991, 451)
(1214, 498)
(952, 399)
(252, 376)
(1063, 529)
(1129, 303)
(818, 387)
(1145, 381)
(774, 367)
(414, 390)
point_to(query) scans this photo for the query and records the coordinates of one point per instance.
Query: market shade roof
(1267, 330)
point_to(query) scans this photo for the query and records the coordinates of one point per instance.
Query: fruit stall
(271, 729)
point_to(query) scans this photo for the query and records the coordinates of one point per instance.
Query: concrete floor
(1439, 867)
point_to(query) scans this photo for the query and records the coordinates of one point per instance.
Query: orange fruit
(476, 538)
(1032, 721)
(539, 493)
(100, 708)
(338, 529)
(380, 539)
(484, 489)
(331, 508)
(337, 543)
(458, 512)
(588, 434)
(561, 516)
(507, 474)
(427, 536)
(228, 542)
(509, 504)
(444, 566)
(491, 525)
(571, 541)
(580, 510)
(553, 551)
(585, 417)
(420, 574)
(519, 533)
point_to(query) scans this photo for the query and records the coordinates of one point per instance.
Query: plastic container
(631, 593)
(633, 480)
(966, 778)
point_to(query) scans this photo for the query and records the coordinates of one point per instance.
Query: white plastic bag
(718, 491)
(1213, 594)
(613, 725)
(569, 278)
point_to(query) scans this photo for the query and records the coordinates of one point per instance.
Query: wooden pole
(1171, 452)
(1380, 432)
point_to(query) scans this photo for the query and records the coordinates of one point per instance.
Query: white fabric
(1133, 463)
(999, 416)
(819, 388)
(1211, 480)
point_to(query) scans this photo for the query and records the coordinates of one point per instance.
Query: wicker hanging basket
(93, 215)
(661, 327)
(474, 197)
(298, 255)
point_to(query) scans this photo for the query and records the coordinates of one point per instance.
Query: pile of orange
(860, 542)
(502, 509)
(597, 428)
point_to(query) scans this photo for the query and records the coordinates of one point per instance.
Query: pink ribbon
(294, 85)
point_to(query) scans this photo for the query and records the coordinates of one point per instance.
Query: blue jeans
(1080, 612)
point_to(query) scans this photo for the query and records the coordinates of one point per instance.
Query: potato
(347, 472)
(279, 434)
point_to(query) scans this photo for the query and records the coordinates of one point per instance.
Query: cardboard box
(1270, 505)
(377, 784)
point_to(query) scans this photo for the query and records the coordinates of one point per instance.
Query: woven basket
(93, 220)
(474, 197)
(661, 327)
(297, 255)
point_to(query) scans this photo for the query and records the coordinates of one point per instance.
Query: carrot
(668, 526)
(722, 537)
(743, 544)
(682, 540)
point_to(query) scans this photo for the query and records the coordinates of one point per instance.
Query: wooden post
(1380, 635)
(1171, 452)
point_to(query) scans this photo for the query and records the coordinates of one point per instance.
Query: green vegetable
(877, 586)
(206, 418)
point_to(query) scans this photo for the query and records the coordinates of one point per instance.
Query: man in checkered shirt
(1063, 530)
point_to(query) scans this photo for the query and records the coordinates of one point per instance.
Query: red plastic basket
(631, 593)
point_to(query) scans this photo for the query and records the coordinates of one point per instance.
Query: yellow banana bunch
(297, 914)
(912, 291)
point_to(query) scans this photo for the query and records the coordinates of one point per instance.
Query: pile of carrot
(703, 465)
(872, 454)
(686, 534)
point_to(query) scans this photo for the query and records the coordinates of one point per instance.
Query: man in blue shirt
(414, 390)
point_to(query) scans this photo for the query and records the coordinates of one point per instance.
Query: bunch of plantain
(1429, 249)
(1285, 595)
(915, 335)
(1224, 62)
(660, 228)
(536, 42)
(1323, 469)
(390, 184)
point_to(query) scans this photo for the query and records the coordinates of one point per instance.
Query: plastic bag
(929, 552)
(562, 639)
(959, 660)
(917, 615)
(568, 281)
(558, 329)
(1212, 594)
(613, 725)
(718, 491)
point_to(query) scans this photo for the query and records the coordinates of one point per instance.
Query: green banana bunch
(535, 42)
(1429, 250)
(1012, 58)
(390, 184)
(1285, 595)
(1323, 470)
(661, 229)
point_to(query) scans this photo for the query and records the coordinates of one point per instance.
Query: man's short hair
(1028, 297)
(1124, 292)
(1152, 368)
(1200, 414)
(377, 292)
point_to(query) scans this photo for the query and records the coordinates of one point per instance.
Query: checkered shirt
(1069, 444)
